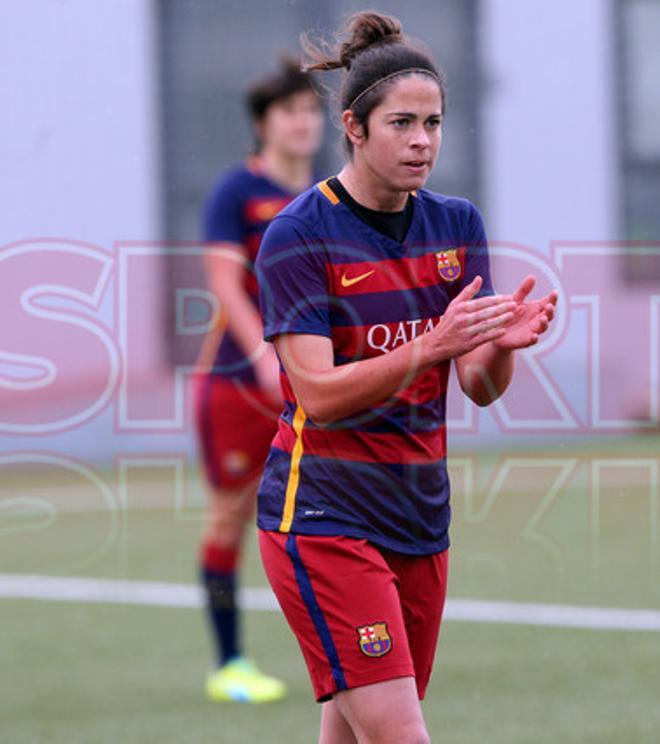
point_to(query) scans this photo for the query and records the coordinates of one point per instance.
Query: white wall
(78, 147)
(79, 162)
(550, 121)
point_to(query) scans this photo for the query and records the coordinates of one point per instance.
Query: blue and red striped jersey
(238, 210)
(381, 474)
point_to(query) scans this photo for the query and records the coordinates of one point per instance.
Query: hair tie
(423, 70)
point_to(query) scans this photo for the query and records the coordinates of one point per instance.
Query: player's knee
(225, 531)
(415, 735)
(412, 733)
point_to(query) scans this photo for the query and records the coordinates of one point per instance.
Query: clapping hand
(529, 319)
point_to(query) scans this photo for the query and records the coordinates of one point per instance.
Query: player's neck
(370, 191)
(293, 174)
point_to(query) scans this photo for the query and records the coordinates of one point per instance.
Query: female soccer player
(369, 287)
(238, 391)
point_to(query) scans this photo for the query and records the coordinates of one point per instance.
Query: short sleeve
(222, 218)
(293, 282)
(477, 262)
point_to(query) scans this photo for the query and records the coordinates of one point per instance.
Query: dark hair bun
(365, 30)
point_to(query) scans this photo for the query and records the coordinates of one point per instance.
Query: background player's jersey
(238, 210)
(380, 474)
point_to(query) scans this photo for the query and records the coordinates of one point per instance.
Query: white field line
(151, 593)
(161, 594)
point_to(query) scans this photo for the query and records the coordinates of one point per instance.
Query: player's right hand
(468, 323)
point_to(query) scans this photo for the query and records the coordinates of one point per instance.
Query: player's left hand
(530, 319)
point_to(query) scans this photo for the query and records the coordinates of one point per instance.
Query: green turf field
(550, 527)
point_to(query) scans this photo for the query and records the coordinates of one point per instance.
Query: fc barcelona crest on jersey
(374, 639)
(449, 267)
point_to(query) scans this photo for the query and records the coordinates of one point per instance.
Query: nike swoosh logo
(346, 282)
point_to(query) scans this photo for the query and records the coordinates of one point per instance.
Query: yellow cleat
(240, 681)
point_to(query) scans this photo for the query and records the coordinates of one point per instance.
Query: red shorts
(235, 424)
(361, 614)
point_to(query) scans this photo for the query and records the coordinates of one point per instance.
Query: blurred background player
(238, 396)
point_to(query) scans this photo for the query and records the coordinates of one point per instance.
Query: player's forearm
(243, 319)
(485, 373)
(339, 392)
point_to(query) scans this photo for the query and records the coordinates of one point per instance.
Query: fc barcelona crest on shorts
(449, 267)
(374, 639)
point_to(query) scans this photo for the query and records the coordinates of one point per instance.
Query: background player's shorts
(361, 614)
(235, 424)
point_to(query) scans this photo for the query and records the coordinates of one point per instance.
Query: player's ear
(259, 128)
(353, 128)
